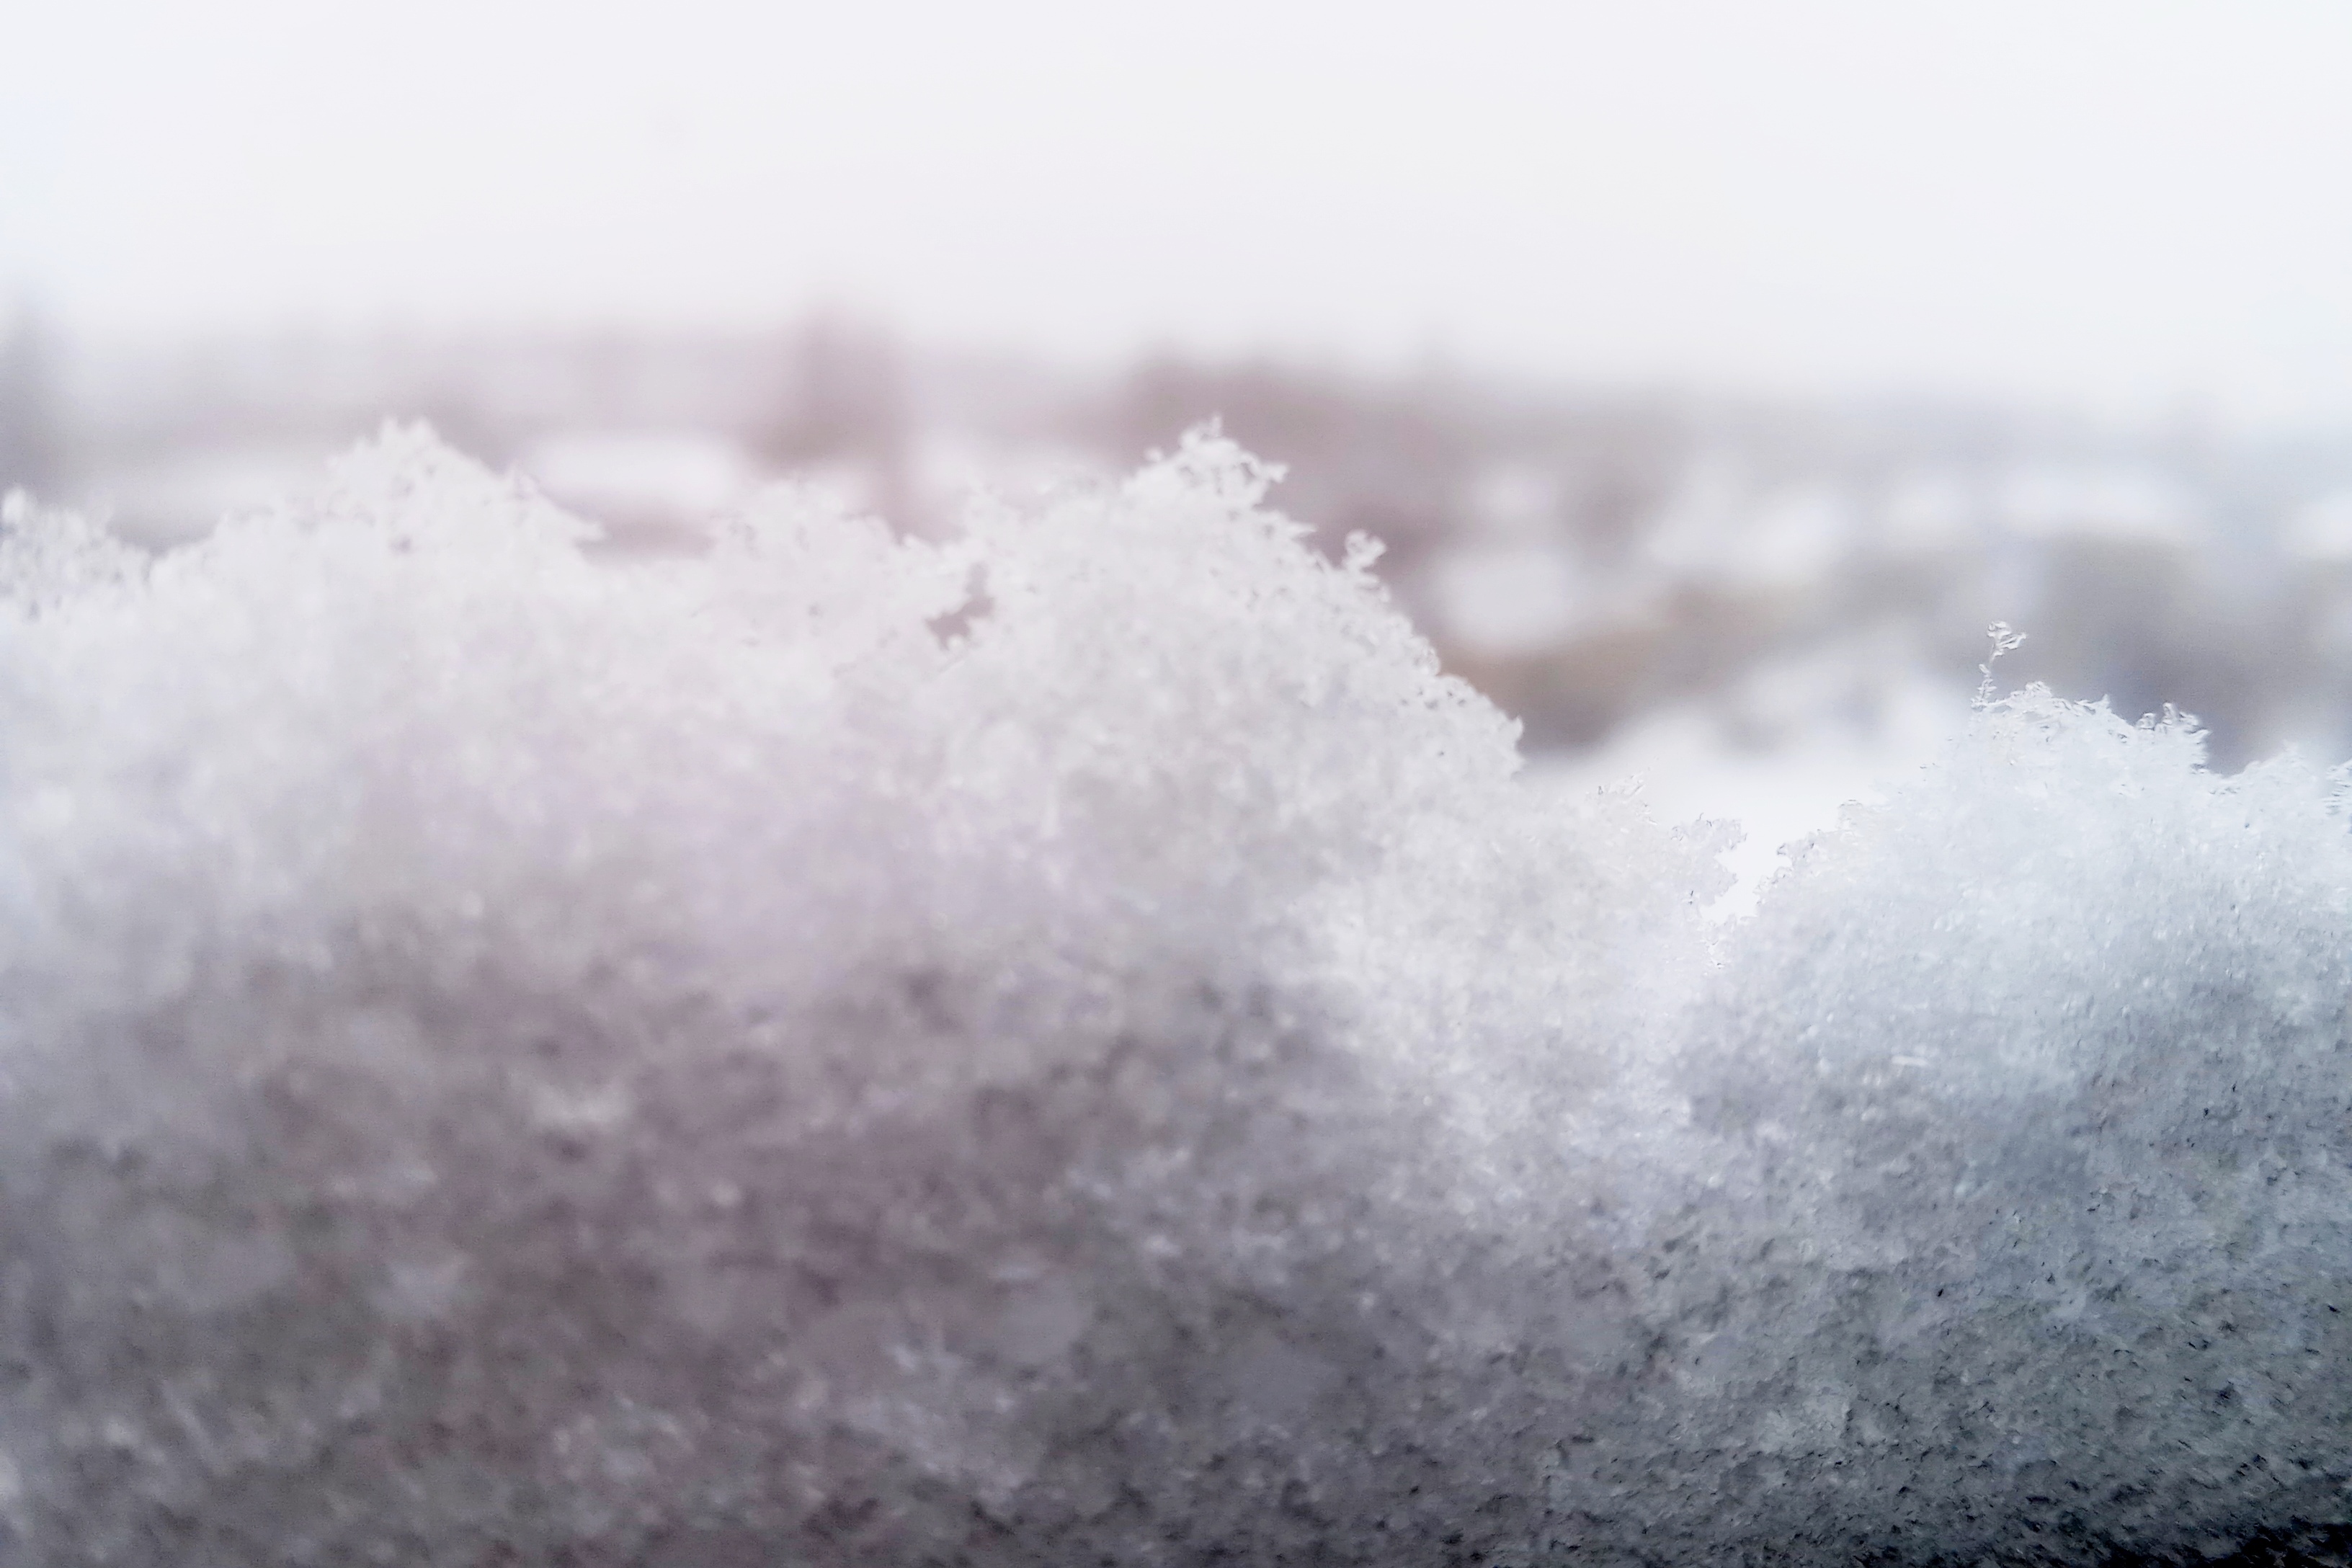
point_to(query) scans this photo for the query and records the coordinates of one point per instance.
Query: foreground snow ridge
(1072, 1045)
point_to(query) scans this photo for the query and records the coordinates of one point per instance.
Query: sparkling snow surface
(1076, 1044)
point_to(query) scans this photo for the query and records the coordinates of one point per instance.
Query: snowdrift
(1073, 1045)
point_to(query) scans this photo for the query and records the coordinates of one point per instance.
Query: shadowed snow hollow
(1074, 1044)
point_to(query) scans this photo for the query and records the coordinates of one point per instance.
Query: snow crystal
(2023, 1103)
(1074, 1043)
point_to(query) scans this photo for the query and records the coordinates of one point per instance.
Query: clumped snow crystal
(840, 1050)
(1072, 1045)
(2034, 1236)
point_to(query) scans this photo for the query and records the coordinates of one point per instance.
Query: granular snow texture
(1072, 1045)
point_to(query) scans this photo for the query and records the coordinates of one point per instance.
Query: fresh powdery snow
(1074, 1044)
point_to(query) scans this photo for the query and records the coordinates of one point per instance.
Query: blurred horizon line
(403, 333)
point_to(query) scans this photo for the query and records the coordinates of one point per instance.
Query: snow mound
(835, 1049)
(1074, 1044)
(2023, 1108)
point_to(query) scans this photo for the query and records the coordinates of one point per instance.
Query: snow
(2040, 1071)
(1077, 1043)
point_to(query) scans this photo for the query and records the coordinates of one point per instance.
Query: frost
(1074, 1044)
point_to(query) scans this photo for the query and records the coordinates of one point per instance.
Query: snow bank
(1074, 1044)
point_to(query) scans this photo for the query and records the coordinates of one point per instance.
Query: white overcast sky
(2137, 206)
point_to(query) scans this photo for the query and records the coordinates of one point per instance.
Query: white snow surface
(1075, 1044)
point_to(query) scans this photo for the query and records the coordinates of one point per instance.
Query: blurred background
(1713, 370)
